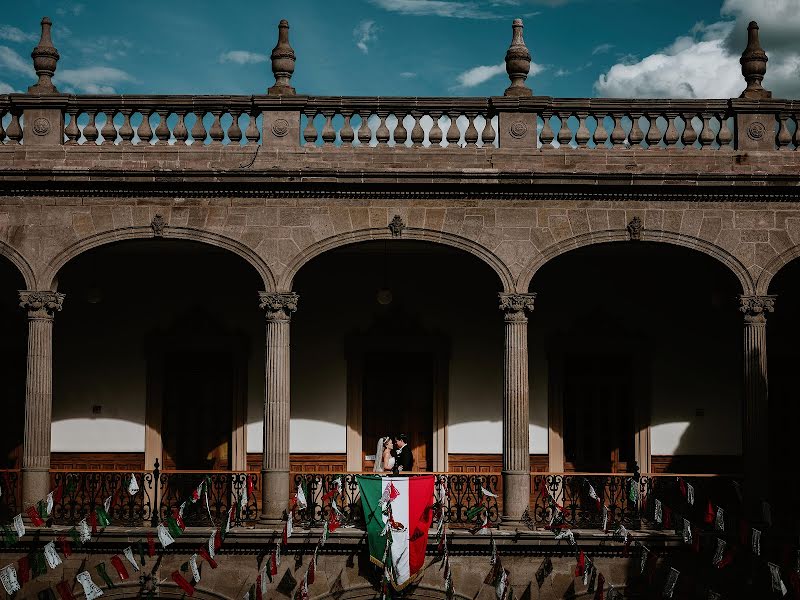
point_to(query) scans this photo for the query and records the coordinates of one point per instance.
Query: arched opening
(158, 353)
(13, 343)
(783, 358)
(396, 336)
(635, 354)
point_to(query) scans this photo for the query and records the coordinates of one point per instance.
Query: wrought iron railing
(464, 503)
(159, 494)
(10, 490)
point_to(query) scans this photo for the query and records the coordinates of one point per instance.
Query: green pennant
(46, 595)
(102, 516)
(251, 593)
(9, 537)
(101, 570)
(71, 486)
(174, 528)
(185, 567)
(38, 563)
(633, 492)
(474, 512)
(76, 539)
(141, 551)
(41, 508)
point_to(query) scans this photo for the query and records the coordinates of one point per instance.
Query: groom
(404, 460)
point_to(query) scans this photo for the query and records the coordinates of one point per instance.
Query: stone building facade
(145, 206)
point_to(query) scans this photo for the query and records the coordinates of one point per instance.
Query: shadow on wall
(13, 348)
(664, 321)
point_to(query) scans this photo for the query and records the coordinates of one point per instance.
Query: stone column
(755, 429)
(279, 307)
(516, 452)
(41, 307)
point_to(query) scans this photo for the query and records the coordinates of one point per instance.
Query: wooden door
(199, 390)
(397, 398)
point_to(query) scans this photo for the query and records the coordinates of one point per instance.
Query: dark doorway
(598, 413)
(199, 396)
(398, 389)
(13, 356)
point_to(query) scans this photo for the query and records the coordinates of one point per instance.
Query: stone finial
(45, 57)
(754, 65)
(283, 59)
(518, 63)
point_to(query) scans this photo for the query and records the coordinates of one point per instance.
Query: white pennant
(687, 531)
(289, 527)
(90, 589)
(690, 493)
(672, 580)
(264, 580)
(181, 509)
(19, 526)
(278, 555)
(302, 503)
(84, 531)
(658, 516)
(486, 492)
(8, 575)
(645, 552)
(133, 485)
(592, 493)
(719, 552)
(587, 572)
(756, 542)
(49, 503)
(243, 498)
(128, 552)
(211, 544)
(50, 554)
(164, 536)
(777, 582)
(193, 567)
(107, 505)
(605, 517)
(719, 522)
(566, 534)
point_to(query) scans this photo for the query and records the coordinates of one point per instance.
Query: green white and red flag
(398, 509)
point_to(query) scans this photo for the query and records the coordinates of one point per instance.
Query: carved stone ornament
(755, 308)
(756, 130)
(518, 129)
(45, 58)
(635, 229)
(280, 127)
(515, 305)
(283, 59)
(396, 226)
(754, 65)
(40, 305)
(41, 126)
(158, 224)
(279, 306)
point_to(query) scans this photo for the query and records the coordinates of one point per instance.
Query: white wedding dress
(380, 466)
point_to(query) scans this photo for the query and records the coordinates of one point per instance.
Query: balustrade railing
(411, 123)
(10, 494)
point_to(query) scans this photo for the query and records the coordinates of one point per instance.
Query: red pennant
(682, 486)
(92, 518)
(151, 544)
(121, 570)
(311, 575)
(285, 535)
(207, 557)
(24, 568)
(626, 550)
(667, 514)
(33, 514)
(217, 541)
(187, 587)
(601, 584)
(259, 595)
(328, 495)
(726, 559)
(581, 566)
(58, 493)
(178, 518)
(66, 547)
(250, 486)
(333, 523)
(710, 515)
(273, 564)
(64, 591)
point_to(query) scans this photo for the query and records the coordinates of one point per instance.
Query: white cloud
(71, 9)
(602, 48)
(6, 89)
(478, 75)
(92, 80)
(13, 34)
(705, 64)
(365, 33)
(437, 8)
(11, 61)
(242, 57)
(408, 75)
(562, 73)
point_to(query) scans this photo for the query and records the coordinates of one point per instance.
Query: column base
(516, 496)
(35, 485)
(274, 497)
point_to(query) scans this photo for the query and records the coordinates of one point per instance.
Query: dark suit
(404, 462)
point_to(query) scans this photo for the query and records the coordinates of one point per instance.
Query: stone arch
(621, 235)
(773, 267)
(20, 263)
(131, 590)
(50, 274)
(411, 233)
(367, 591)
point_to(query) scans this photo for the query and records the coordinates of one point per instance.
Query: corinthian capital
(515, 305)
(755, 308)
(40, 305)
(279, 306)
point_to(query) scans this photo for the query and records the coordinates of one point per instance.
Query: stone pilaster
(41, 307)
(516, 452)
(279, 307)
(756, 408)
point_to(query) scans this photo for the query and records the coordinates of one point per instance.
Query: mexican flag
(398, 512)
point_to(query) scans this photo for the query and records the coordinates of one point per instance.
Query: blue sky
(681, 48)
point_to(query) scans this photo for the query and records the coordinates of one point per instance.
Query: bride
(384, 459)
